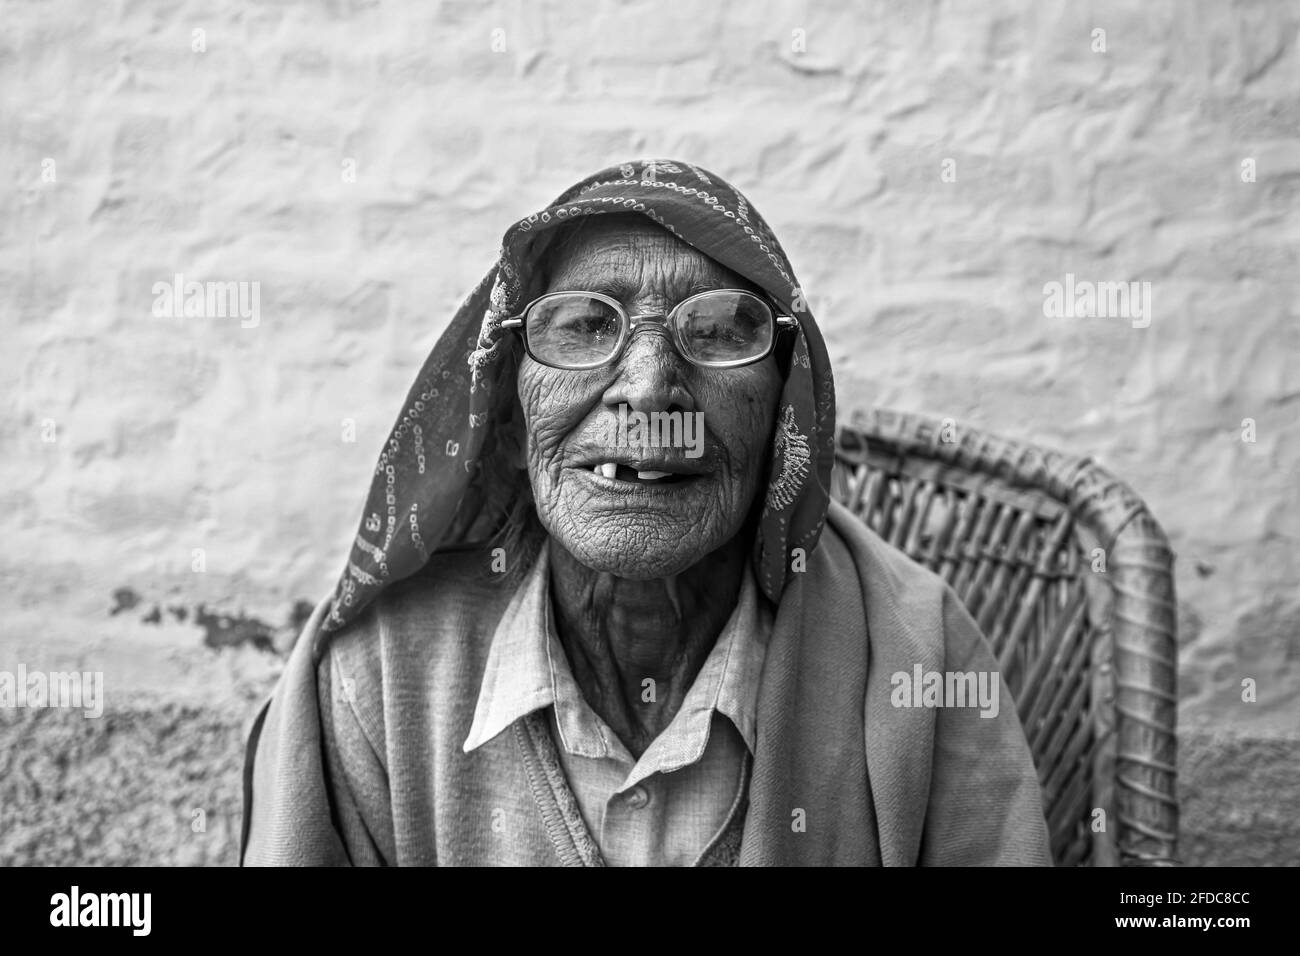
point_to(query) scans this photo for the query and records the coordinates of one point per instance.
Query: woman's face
(644, 527)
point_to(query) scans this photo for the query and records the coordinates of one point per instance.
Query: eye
(725, 326)
(587, 320)
(575, 316)
(573, 329)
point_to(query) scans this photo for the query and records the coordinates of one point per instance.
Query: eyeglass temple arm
(782, 321)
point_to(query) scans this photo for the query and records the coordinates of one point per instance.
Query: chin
(604, 536)
(637, 565)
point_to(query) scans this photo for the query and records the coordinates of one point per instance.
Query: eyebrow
(625, 290)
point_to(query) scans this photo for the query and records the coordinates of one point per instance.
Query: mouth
(616, 471)
(629, 473)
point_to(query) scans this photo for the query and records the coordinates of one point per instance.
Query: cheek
(743, 413)
(553, 403)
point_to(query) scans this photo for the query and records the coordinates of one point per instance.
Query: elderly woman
(569, 633)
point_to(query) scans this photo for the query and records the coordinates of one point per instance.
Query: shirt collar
(517, 677)
(527, 670)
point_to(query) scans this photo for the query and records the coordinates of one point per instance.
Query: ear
(511, 433)
(513, 445)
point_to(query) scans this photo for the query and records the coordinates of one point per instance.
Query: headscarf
(432, 484)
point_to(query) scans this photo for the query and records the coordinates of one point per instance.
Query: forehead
(630, 255)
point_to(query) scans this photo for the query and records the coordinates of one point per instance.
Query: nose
(651, 374)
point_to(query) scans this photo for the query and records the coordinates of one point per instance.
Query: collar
(527, 670)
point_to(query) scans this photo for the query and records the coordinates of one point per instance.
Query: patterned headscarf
(431, 488)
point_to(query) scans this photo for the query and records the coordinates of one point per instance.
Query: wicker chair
(1071, 579)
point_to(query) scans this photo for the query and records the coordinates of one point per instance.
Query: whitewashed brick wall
(128, 156)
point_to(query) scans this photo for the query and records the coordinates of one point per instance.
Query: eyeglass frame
(631, 322)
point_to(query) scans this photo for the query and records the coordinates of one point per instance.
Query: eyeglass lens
(572, 330)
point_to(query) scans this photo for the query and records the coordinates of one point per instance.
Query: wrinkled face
(615, 493)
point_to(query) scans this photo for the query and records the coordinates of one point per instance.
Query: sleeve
(985, 805)
(355, 780)
(310, 774)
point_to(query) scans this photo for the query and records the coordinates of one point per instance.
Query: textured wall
(128, 156)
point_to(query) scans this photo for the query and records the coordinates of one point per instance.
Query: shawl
(840, 775)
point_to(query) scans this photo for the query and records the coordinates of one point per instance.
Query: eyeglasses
(721, 328)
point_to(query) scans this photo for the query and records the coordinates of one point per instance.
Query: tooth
(651, 475)
(609, 469)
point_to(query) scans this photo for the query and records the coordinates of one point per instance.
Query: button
(638, 798)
